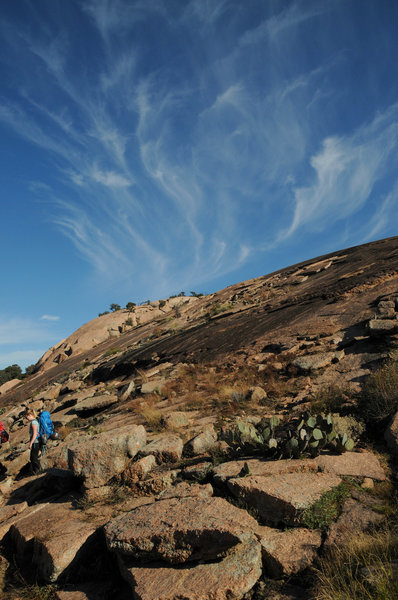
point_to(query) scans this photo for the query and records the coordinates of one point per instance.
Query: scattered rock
(99, 458)
(149, 387)
(354, 464)
(202, 442)
(288, 552)
(95, 403)
(127, 391)
(228, 579)
(382, 326)
(71, 386)
(176, 419)
(139, 469)
(197, 472)
(282, 498)
(231, 469)
(354, 518)
(167, 448)
(180, 530)
(313, 362)
(187, 490)
(257, 394)
(367, 484)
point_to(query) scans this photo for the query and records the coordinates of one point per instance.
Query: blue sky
(154, 146)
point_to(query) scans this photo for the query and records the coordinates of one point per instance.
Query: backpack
(4, 437)
(46, 428)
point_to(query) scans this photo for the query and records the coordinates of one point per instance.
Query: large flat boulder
(228, 579)
(282, 498)
(288, 552)
(353, 464)
(49, 540)
(180, 530)
(99, 458)
(265, 468)
(167, 448)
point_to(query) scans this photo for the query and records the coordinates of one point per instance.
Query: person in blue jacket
(34, 445)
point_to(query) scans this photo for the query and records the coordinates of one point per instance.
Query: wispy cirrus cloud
(49, 318)
(347, 170)
(175, 163)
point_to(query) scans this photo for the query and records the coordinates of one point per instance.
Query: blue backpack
(46, 428)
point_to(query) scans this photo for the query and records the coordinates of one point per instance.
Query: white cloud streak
(174, 171)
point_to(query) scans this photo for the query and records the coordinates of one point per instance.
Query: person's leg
(34, 458)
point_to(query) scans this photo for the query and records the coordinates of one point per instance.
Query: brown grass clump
(153, 418)
(364, 569)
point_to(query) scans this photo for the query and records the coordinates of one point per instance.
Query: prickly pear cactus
(308, 434)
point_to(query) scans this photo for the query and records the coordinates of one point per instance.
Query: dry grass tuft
(365, 568)
(153, 418)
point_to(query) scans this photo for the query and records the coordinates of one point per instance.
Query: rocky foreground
(145, 496)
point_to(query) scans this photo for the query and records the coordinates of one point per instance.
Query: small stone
(257, 394)
(368, 483)
(167, 448)
(176, 419)
(202, 442)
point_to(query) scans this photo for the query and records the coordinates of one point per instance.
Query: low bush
(327, 509)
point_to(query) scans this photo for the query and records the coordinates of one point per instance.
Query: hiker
(34, 445)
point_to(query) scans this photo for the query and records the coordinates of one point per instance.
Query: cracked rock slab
(229, 579)
(265, 468)
(288, 552)
(354, 464)
(180, 530)
(50, 539)
(282, 498)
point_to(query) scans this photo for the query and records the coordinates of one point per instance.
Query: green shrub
(325, 510)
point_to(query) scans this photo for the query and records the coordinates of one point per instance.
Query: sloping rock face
(229, 579)
(180, 530)
(281, 498)
(103, 456)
